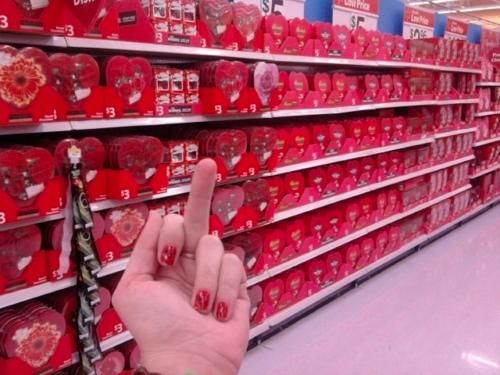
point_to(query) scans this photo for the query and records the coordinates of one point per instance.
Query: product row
(489, 99)
(487, 127)
(486, 157)
(486, 188)
(235, 26)
(37, 87)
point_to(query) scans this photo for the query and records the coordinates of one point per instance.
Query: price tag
(456, 29)
(289, 8)
(418, 23)
(356, 13)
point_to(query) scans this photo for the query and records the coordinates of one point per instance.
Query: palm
(156, 303)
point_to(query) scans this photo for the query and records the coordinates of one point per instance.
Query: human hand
(183, 299)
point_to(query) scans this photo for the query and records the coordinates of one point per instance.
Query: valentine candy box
(21, 261)
(28, 185)
(177, 91)
(76, 79)
(34, 340)
(225, 87)
(122, 227)
(129, 90)
(26, 93)
(174, 21)
(137, 167)
(113, 363)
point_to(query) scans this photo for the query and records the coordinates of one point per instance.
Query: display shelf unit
(351, 237)
(488, 84)
(487, 113)
(486, 141)
(303, 307)
(30, 221)
(480, 173)
(33, 39)
(45, 127)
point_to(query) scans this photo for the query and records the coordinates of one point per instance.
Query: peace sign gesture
(183, 299)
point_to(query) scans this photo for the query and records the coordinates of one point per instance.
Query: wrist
(180, 363)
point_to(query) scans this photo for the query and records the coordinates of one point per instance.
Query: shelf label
(456, 29)
(494, 56)
(288, 8)
(418, 23)
(356, 13)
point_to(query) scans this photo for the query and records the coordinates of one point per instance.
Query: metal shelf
(488, 84)
(487, 113)
(486, 142)
(485, 171)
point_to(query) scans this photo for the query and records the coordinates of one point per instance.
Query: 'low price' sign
(356, 13)
(418, 23)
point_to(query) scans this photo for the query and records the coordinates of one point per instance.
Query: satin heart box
(33, 17)
(136, 167)
(289, 37)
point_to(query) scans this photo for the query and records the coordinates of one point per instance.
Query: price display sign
(456, 29)
(356, 13)
(289, 8)
(418, 23)
(494, 57)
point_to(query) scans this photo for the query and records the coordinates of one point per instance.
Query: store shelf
(30, 221)
(116, 340)
(283, 215)
(32, 39)
(454, 132)
(159, 121)
(26, 294)
(485, 171)
(488, 84)
(353, 236)
(486, 141)
(302, 306)
(45, 127)
(487, 113)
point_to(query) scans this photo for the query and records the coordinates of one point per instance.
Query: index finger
(197, 213)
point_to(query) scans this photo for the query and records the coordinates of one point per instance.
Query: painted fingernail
(201, 301)
(168, 255)
(222, 311)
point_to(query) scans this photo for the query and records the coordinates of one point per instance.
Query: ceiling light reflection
(477, 360)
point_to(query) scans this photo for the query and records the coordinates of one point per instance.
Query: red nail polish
(168, 255)
(222, 311)
(201, 301)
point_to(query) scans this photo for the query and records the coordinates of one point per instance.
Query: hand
(183, 299)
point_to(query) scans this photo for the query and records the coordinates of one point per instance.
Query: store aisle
(435, 313)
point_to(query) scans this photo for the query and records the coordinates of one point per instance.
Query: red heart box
(360, 37)
(316, 271)
(317, 224)
(273, 241)
(93, 155)
(126, 223)
(262, 142)
(324, 32)
(22, 74)
(282, 142)
(317, 178)
(74, 76)
(337, 136)
(255, 294)
(24, 173)
(226, 203)
(300, 138)
(295, 232)
(300, 29)
(87, 12)
(294, 281)
(272, 292)
(276, 189)
(252, 244)
(294, 184)
(381, 240)
(247, 19)
(113, 363)
(320, 135)
(352, 254)
(323, 84)
(367, 246)
(277, 26)
(335, 174)
(353, 169)
(17, 246)
(333, 262)
(265, 79)
(298, 82)
(352, 213)
(257, 195)
(217, 15)
(129, 77)
(230, 145)
(230, 77)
